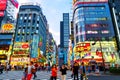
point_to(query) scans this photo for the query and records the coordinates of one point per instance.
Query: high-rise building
(93, 24)
(115, 11)
(31, 21)
(8, 9)
(30, 31)
(64, 35)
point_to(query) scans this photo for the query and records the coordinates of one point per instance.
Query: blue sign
(34, 46)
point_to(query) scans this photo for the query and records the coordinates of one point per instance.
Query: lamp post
(102, 54)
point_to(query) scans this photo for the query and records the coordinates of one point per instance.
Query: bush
(114, 70)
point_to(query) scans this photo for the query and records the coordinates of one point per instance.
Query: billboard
(34, 46)
(7, 28)
(21, 46)
(82, 1)
(3, 4)
(15, 3)
(1, 13)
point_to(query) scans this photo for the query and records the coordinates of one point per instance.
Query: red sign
(25, 46)
(1, 13)
(83, 47)
(3, 4)
(15, 3)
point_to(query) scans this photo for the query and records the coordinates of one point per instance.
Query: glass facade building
(92, 23)
(115, 10)
(31, 21)
(64, 36)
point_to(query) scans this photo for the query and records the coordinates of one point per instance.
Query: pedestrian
(25, 72)
(1, 68)
(48, 68)
(7, 67)
(63, 71)
(83, 71)
(54, 72)
(75, 70)
(30, 71)
(34, 73)
(89, 68)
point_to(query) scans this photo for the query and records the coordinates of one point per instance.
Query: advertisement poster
(34, 46)
(3, 4)
(1, 13)
(15, 3)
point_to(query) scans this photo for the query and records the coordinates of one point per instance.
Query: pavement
(44, 75)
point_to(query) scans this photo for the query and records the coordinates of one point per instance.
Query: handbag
(33, 70)
(71, 75)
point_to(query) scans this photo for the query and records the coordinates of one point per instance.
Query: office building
(64, 36)
(94, 30)
(115, 11)
(8, 9)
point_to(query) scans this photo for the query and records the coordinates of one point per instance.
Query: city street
(43, 75)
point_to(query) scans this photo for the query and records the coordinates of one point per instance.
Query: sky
(53, 10)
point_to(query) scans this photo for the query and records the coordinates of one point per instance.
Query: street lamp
(102, 54)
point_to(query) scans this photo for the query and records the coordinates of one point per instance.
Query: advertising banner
(20, 59)
(15, 3)
(87, 1)
(21, 46)
(34, 46)
(7, 28)
(3, 4)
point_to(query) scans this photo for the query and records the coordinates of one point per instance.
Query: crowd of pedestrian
(79, 70)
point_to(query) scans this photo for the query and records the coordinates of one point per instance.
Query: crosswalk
(41, 75)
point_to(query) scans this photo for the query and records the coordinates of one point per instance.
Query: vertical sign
(34, 46)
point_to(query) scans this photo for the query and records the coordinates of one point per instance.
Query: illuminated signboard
(3, 4)
(15, 3)
(21, 46)
(1, 13)
(3, 57)
(83, 47)
(7, 26)
(20, 59)
(74, 1)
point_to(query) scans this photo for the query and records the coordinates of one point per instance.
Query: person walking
(75, 70)
(83, 71)
(54, 72)
(1, 68)
(63, 71)
(34, 73)
(25, 72)
(30, 71)
(89, 68)
(7, 67)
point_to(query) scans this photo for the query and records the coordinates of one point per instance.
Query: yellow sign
(7, 27)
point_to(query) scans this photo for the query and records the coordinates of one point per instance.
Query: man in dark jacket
(75, 70)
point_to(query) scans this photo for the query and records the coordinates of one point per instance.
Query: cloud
(56, 35)
(53, 10)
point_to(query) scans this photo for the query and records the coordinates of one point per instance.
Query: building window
(104, 31)
(21, 17)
